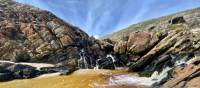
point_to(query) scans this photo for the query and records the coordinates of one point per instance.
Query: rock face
(141, 41)
(168, 42)
(180, 43)
(178, 49)
(121, 47)
(28, 34)
(181, 75)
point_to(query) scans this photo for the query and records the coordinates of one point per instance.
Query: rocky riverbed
(36, 48)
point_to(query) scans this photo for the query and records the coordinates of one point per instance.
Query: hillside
(156, 24)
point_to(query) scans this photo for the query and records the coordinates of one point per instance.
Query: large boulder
(139, 42)
(23, 71)
(107, 45)
(11, 70)
(177, 20)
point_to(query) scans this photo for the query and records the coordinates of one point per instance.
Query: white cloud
(97, 36)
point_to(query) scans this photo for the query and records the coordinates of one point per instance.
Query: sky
(101, 17)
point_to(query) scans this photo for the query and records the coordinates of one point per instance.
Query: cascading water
(127, 79)
(85, 63)
(112, 59)
(97, 64)
(156, 77)
(82, 62)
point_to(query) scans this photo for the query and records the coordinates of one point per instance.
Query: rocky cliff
(28, 34)
(167, 42)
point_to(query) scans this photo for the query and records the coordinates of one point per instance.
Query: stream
(119, 77)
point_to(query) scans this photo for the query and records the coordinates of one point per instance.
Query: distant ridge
(146, 24)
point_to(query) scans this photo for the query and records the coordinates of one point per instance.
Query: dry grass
(144, 25)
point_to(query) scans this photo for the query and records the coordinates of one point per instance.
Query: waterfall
(97, 64)
(85, 62)
(112, 59)
(82, 62)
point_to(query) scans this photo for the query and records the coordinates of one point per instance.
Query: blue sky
(101, 17)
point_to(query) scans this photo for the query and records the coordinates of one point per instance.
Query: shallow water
(90, 78)
(84, 78)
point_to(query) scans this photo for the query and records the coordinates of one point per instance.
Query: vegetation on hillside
(147, 25)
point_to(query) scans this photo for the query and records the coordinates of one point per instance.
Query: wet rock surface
(5, 74)
(22, 71)
(178, 49)
(10, 71)
(173, 43)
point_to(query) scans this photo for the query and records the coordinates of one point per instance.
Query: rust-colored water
(79, 79)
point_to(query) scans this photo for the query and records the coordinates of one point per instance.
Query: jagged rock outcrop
(120, 47)
(168, 42)
(177, 48)
(179, 43)
(28, 34)
(139, 42)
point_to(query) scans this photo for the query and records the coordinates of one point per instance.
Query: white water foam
(130, 80)
(113, 59)
(122, 79)
(49, 75)
(97, 64)
(109, 55)
(82, 59)
(147, 81)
